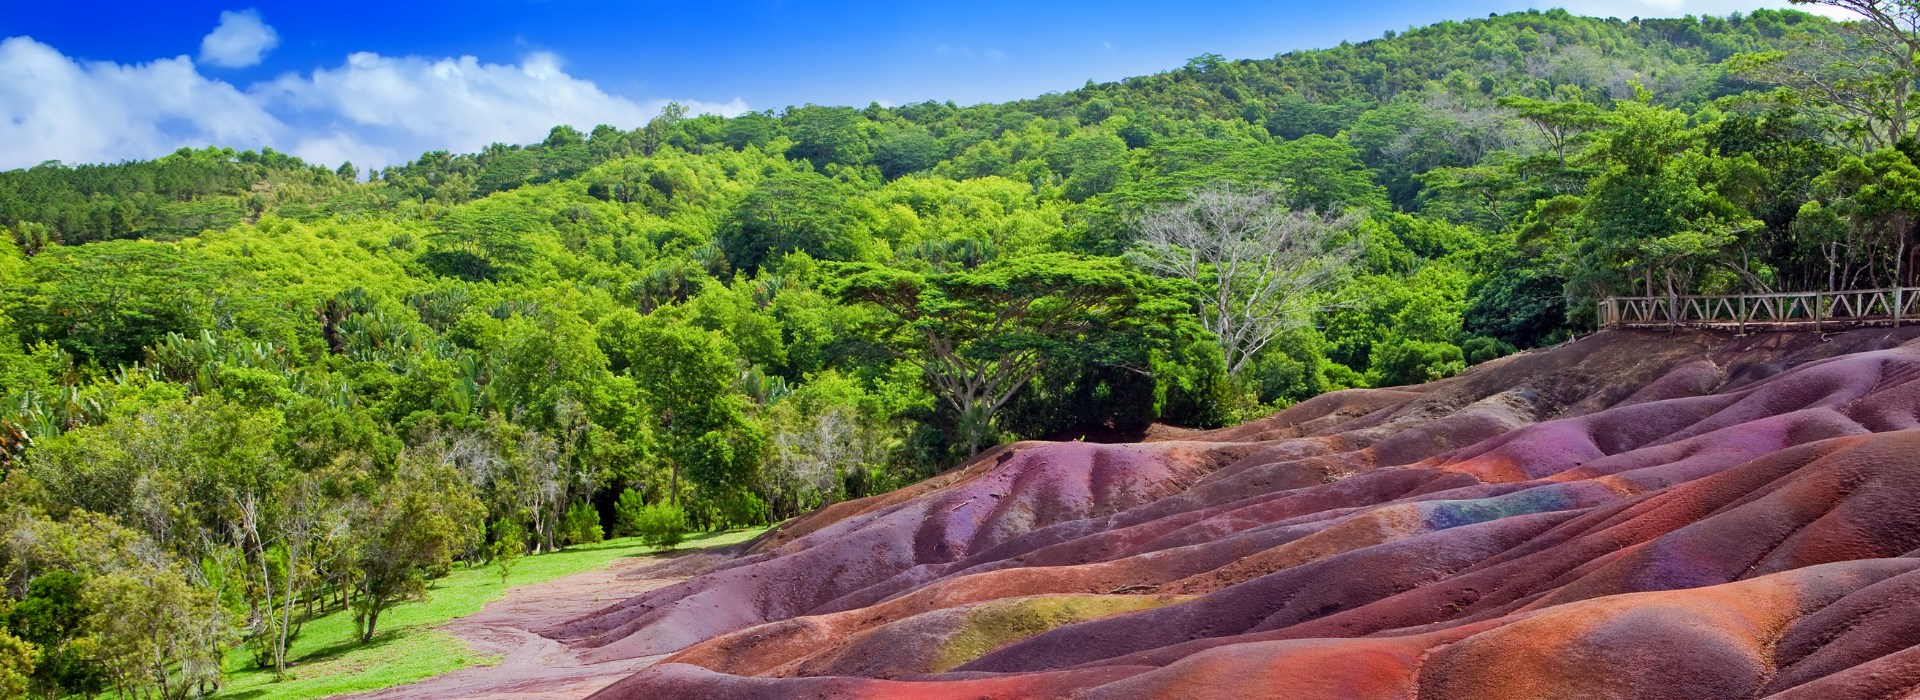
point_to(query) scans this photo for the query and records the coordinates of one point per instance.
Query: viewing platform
(1817, 311)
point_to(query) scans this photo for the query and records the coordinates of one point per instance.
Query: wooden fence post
(1818, 311)
(1899, 300)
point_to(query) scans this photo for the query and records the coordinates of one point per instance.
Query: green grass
(407, 646)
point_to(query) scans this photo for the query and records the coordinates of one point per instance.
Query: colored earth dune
(1633, 515)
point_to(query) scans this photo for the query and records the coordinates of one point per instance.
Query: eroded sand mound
(1636, 515)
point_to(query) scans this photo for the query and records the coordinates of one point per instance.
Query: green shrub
(660, 525)
(626, 513)
(581, 525)
(509, 542)
(1481, 349)
(1404, 362)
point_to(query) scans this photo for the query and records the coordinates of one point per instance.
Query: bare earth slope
(1635, 515)
(532, 667)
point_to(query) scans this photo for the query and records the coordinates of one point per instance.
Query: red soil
(1635, 515)
(533, 667)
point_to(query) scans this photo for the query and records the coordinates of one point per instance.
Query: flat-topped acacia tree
(980, 335)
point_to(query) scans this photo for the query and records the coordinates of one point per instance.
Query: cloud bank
(376, 108)
(371, 109)
(55, 108)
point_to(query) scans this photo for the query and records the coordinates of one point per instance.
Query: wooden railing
(1816, 310)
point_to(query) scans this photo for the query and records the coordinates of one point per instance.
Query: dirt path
(534, 667)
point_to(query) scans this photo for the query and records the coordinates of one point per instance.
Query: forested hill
(1430, 79)
(1527, 53)
(702, 321)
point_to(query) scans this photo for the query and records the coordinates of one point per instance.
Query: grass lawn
(407, 647)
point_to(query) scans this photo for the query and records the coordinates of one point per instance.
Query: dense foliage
(236, 389)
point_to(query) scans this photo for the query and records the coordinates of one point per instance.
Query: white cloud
(55, 108)
(463, 103)
(1674, 8)
(458, 104)
(339, 147)
(373, 110)
(241, 40)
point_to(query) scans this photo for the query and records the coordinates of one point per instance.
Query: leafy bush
(626, 513)
(16, 666)
(1481, 349)
(1408, 361)
(581, 524)
(1296, 368)
(509, 542)
(660, 525)
(1517, 306)
(52, 619)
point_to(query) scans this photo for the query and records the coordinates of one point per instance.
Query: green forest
(238, 390)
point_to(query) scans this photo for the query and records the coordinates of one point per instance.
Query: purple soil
(1635, 515)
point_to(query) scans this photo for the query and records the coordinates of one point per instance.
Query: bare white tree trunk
(1262, 267)
(812, 451)
(544, 488)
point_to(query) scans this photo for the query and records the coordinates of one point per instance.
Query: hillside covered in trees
(236, 389)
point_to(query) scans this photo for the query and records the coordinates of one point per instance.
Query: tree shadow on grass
(689, 545)
(337, 649)
(660, 554)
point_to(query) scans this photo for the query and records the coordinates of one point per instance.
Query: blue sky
(379, 82)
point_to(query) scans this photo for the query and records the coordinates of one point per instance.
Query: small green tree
(52, 617)
(509, 543)
(823, 135)
(409, 530)
(157, 634)
(107, 301)
(907, 149)
(16, 666)
(582, 524)
(1407, 361)
(661, 525)
(481, 243)
(1480, 349)
(627, 511)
